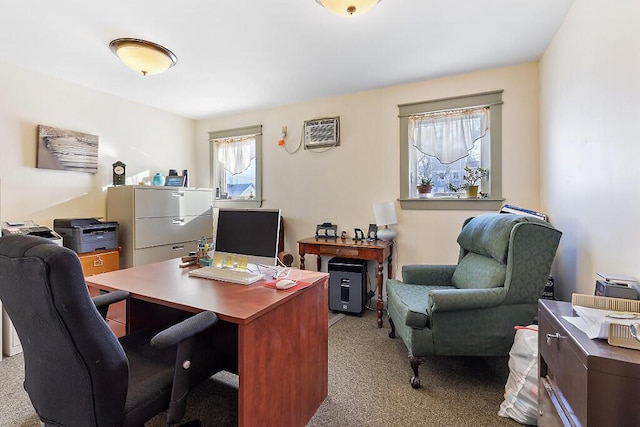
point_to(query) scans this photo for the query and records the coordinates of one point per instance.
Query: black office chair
(77, 373)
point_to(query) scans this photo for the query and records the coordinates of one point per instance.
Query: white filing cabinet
(159, 223)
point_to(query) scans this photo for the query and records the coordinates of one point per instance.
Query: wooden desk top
(167, 284)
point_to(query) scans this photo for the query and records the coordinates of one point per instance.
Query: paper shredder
(347, 285)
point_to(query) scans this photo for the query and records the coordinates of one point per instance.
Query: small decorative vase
(472, 191)
(158, 179)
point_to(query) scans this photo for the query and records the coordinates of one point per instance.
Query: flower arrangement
(471, 178)
(473, 175)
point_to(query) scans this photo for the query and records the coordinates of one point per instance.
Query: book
(522, 211)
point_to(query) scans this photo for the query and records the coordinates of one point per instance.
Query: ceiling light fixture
(143, 56)
(348, 7)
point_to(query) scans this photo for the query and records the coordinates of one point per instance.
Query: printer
(617, 286)
(87, 234)
(29, 227)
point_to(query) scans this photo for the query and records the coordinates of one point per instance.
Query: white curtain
(448, 135)
(236, 153)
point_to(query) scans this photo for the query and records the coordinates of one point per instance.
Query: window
(439, 138)
(236, 166)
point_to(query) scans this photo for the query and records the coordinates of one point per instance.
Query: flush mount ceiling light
(143, 56)
(348, 7)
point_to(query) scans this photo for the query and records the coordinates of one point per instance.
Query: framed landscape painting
(67, 150)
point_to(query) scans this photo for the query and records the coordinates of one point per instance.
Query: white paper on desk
(594, 322)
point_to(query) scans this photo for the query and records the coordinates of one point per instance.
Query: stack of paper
(595, 322)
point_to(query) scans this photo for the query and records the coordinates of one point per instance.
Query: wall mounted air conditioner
(322, 132)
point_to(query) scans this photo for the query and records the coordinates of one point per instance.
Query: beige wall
(342, 184)
(145, 139)
(590, 104)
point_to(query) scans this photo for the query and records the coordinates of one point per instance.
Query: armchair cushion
(479, 272)
(412, 301)
(488, 235)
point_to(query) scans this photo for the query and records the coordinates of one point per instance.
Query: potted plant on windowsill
(471, 178)
(424, 187)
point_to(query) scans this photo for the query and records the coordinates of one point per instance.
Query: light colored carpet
(368, 386)
(369, 383)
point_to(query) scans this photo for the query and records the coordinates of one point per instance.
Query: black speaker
(347, 285)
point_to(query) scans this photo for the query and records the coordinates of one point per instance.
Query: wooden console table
(369, 250)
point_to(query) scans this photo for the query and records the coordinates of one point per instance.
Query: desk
(277, 341)
(377, 250)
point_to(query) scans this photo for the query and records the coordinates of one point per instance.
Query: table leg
(301, 251)
(319, 263)
(380, 304)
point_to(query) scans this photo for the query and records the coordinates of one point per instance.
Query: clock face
(118, 170)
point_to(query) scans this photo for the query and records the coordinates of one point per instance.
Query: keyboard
(226, 275)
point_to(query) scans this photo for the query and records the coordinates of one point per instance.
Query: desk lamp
(385, 214)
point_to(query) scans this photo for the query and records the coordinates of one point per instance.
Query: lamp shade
(385, 213)
(348, 7)
(143, 56)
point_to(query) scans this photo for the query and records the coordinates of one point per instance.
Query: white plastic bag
(521, 390)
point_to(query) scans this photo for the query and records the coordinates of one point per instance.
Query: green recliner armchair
(470, 309)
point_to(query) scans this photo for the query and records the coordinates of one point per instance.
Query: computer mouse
(285, 284)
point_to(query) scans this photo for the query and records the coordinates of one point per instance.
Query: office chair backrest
(75, 368)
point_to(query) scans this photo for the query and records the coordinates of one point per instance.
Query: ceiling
(239, 55)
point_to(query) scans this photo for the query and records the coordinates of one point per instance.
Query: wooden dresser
(101, 262)
(583, 381)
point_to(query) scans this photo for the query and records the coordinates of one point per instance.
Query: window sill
(452, 204)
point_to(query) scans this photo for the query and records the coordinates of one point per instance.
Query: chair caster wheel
(392, 334)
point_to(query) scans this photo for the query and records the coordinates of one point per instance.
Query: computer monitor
(249, 233)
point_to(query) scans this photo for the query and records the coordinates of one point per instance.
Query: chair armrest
(464, 299)
(182, 335)
(429, 275)
(103, 301)
(185, 329)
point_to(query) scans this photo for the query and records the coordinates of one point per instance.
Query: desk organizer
(619, 335)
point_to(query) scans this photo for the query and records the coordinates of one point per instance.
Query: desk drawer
(158, 202)
(550, 413)
(163, 231)
(565, 369)
(347, 252)
(99, 262)
(163, 253)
